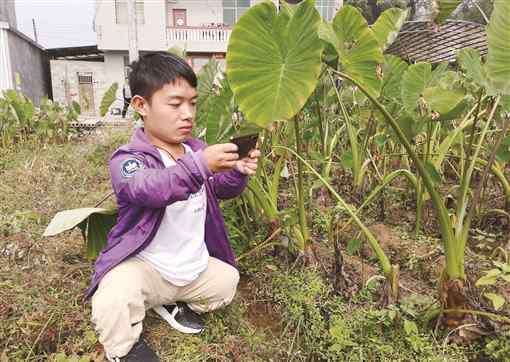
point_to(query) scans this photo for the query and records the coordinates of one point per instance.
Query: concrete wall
(196, 13)
(152, 33)
(114, 70)
(31, 63)
(101, 80)
(5, 60)
(8, 12)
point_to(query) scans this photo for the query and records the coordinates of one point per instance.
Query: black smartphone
(245, 143)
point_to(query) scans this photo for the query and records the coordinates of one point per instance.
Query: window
(121, 13)
(233, 9)
(85, 78)
(326, 8)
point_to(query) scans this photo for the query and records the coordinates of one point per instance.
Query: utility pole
(35, 30)
(132, 31)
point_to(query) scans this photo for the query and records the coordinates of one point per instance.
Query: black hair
(152, 71)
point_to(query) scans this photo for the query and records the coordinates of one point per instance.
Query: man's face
(170, 115)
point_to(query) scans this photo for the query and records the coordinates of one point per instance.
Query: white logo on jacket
(130, 166)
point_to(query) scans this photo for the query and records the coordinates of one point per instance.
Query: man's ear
(140, 105)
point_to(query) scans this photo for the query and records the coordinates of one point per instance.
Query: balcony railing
(204, 34)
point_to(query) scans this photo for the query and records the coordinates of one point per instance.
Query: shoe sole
(163, 313)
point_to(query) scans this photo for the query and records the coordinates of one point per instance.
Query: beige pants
(132, 287)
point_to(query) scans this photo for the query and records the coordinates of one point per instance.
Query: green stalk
(419, 207)
(444, 220)
(381, 256)
(300, 187)
(263, 198)
(321, 128)
(419, 201)
(448, 141)
(353, 140)
(472, 136)
(275, 180)
(466, 225)
(380, 188)
(500, 175)
(466, 179)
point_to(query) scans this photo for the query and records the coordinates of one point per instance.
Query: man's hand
(248, 165)
(221, 157)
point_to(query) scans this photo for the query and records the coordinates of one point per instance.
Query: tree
(371, 9)
(478, 11)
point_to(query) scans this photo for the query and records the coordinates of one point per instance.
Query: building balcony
(199, 39)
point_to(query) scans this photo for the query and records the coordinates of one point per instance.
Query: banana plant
(108, 98)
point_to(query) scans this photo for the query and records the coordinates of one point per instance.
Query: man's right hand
(221, 157)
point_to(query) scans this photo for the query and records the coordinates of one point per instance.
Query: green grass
(282, 311)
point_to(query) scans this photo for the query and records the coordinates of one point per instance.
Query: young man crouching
(169, 249)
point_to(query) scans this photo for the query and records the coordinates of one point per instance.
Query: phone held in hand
(245, 143)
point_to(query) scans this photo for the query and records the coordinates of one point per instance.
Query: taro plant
(500, 273)
(411, 104)
(21, 121)
(273, 80)
(454, 234)
(273, 66)
(94, 223)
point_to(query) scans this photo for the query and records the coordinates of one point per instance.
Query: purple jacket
(144, 187)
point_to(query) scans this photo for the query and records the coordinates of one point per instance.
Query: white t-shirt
(178, 250)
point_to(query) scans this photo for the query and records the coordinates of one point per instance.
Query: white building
(201, 27)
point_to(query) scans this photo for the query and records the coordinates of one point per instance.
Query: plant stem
(353, 140)
(381, 256)
(300, 187)
(321, 128)
(490, 162)
(443, 217)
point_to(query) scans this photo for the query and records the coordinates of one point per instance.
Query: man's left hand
(248, 165)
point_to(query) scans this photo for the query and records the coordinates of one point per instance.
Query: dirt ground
(283, 311)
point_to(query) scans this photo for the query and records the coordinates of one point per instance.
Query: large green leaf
(445, 8)
(442, 100)
(69, 219)
(409, 126)
(328, 38)
(108, 98)
(438, 73)
(505, 103)
(206, 78)
(424, 90)
(414, 82)
(213, 102)
(388, 25)
(95, 230)
(470, 61)
(274, 61)
(497, 300)
(357, 47)
(498, 39)
(218, 115)
(95, 224)
(393, 69)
